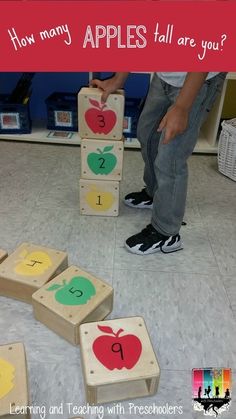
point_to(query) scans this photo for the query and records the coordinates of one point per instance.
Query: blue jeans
(166, 169)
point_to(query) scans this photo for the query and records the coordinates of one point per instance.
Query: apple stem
(100, 151)
(103, 106)
(118, 333)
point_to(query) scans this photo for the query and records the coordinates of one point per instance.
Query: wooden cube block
(72, 298)
(100, 120)
(28, 268)
(118, 360)
(101, 159)
(3, 255)
(99, 197)
(13, 381)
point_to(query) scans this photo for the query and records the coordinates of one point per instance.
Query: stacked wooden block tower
(117, 357)
(101, 130)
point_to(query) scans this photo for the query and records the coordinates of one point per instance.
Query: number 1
(99, 200)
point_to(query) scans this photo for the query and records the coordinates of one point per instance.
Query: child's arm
(175, 120)
(110, 85)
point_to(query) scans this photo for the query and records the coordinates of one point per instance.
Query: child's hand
(174, 122)
(109, 86)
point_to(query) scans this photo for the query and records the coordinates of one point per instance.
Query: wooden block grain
(118, 360)
(99, 197)
(102, 159)
(72, 298)
(3, 255)
(28, 268)
(13, 381)
(100, 120)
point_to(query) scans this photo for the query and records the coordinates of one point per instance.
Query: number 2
(102, 163)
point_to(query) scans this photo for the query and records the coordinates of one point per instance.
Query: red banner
(117, 36)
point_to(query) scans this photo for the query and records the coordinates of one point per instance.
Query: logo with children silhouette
(212, 389)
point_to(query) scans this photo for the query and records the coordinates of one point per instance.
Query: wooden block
(100, 120)
(118, 360)
(13, 381)
(3, 255)
(101, 159)
(28, 268)
(72, 298)
(99, 197)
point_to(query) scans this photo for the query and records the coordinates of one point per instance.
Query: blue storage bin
(133, 107)
(62, 111)
(14, 117)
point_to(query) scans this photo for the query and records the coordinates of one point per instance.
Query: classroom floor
(187, 298)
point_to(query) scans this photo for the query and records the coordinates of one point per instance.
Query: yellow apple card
(28, 268)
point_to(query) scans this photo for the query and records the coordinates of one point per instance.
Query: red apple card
(118, 360)
(123, 350)
(98, 119)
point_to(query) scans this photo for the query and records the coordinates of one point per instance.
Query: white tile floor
(188, 298)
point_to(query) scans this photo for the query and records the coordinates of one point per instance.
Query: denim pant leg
(155, 107)
(170, 165)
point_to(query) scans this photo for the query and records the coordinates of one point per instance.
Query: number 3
(101, 121)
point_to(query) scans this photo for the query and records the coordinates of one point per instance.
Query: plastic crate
(62, 113)
(227, 149)
(132, 111)
(14, 117)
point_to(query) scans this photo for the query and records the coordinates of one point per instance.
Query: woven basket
(227, 149)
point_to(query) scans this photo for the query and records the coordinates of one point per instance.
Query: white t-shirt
(177, 79)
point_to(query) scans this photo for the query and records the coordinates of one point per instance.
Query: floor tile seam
(228, 297)
(21, 233)
(166, 271)
(162, 369)
(114, 252)
(209, 240)
(229, 218)
(32, 361)
(39, 206)
(44, 183)
(35, 208)
(191, 368)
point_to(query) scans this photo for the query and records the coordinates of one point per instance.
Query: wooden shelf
(42, 135)
(207, 142)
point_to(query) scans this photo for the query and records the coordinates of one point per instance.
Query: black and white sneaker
(149, 240)
(138, 199)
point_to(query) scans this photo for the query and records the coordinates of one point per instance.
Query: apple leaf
(54, 287)
(106, 329)
(108, 148)
(95, 103)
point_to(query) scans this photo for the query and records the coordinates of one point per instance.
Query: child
(168, 128)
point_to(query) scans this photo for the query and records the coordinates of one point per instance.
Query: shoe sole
(151, 251)
(140, 206)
